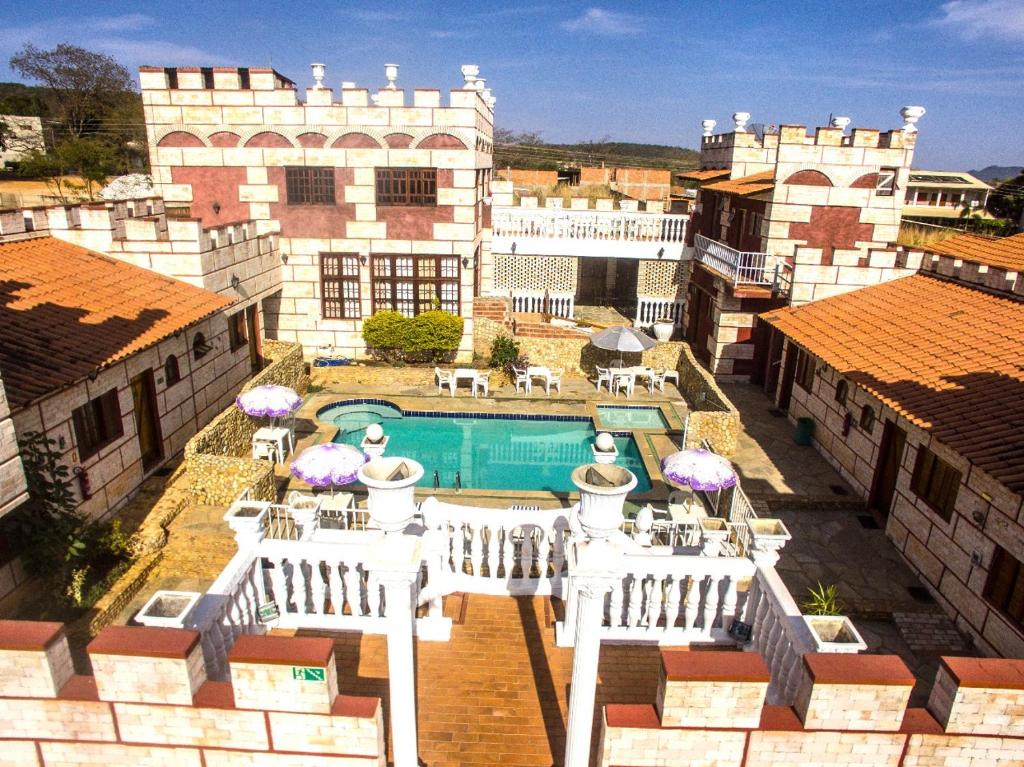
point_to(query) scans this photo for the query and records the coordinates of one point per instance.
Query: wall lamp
(216, 207)
(235, 282)
(364, 259)
(661, 252)
(284, 258)
(467, 262)
(513, 248)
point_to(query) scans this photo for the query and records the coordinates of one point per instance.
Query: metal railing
(742, 267)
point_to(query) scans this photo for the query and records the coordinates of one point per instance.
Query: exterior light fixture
(467, 262)
(284, 258)
(363, 259)
(235, 281)
(216, 207)
(513, 248)
(661, 252)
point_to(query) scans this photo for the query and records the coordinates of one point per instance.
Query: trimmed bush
(431, 336)
(503, 351)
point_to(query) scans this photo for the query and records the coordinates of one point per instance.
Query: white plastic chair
(604, 376)
(656, 378)
(668, 375)
(264, 449)
(555, 379)
(522, 379)
(445, 378)
(623, 381)
(483, 383)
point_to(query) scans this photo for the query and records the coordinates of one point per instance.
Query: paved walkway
(497, 693)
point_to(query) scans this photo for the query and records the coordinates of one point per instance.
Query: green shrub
(503, 351)
(430, 336)
(824, 600)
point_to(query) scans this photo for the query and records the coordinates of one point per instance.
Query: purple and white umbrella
(269, 400)
(328, 464)
(700, 469)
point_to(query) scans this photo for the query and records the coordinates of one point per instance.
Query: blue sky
(626, 71)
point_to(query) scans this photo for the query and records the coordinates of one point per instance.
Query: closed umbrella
(328, 464)
(700, 469)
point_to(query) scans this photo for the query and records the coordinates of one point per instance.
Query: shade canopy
(269, 400)
(700, 469)
(328, 464)
(622, 339)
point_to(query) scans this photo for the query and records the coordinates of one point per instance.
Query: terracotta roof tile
(66, 311)
(951, 360)
(1003, 252)
(704, 174)
(746, 185)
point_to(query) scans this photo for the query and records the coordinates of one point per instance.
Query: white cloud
(129, 22)
(132, 53)
(981, 19)
(598, 21)
(375, 16)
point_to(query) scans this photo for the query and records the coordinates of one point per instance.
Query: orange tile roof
(949, 360)
(704, 174)
(66, 311)
(1002, 252)
(752, 184)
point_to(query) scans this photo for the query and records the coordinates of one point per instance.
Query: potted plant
(169, 609)
(832, 631)
(664, 327)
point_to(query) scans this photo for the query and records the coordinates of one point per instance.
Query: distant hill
(544, 156)
(992, 172)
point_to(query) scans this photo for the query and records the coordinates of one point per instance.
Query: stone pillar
(589, 611)
(400, 607)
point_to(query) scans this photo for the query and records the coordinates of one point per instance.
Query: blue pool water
(629, 417)
(491, 453)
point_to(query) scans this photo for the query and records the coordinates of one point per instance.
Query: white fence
(650, 309)
(544, 302)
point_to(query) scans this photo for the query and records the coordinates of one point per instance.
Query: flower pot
(247, 519)
(713, 533)
(603, 490)
(663, 330)
(168, 609)
(767, 537)
(391, 486)
(835, 633)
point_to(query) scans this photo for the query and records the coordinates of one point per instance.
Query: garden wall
(217, 457)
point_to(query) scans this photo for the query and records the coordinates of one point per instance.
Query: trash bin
(804, 431)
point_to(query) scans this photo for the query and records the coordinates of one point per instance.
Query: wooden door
(890, 457)
(773, 362)
(252, 327)
(788, 374)
(147, 420)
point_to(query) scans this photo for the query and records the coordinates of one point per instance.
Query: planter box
(168, 609)
(835, 633)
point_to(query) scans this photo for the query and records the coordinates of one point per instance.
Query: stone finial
(478, 84)
(840, 122)
(708, 126)
(740, 120)
(391, 73)
(911, 115)
(319, 70)
(469, 73)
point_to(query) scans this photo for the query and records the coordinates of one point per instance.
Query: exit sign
(309, 673)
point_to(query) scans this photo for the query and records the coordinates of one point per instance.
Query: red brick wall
(214, 185)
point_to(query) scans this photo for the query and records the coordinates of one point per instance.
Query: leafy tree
(82, 86)
(93, 160)
(1007, 200)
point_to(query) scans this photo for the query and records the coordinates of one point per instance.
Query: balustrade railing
(741, 267)
(544, 302)
(650, 309)
(499, 551)
(554, 223)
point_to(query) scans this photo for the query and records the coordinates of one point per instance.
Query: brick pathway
(497, 692)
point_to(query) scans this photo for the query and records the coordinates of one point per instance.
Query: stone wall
(217, 457)
(852, 711)
(149, 703)
(12, 476)
(663, 279)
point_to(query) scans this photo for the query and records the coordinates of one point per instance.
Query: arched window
(867, 418)
(171, 371)
(199, 346)
(842, 390)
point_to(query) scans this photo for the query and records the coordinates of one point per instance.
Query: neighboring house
(118, 364)
(24, 135)
(916, 390)
(936, 196)
(784, 217)
(379, 203)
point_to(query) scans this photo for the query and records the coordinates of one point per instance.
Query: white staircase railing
(650, 309)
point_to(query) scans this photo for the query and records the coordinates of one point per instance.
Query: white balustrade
(553, 231)
(499, 551)
(742, 267)
(544, 302)
(650, 309)
(229, 609)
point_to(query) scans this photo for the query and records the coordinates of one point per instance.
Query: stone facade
(952, 557)
(221, 140)
(12, 476)
(148, 703)
(853, 711)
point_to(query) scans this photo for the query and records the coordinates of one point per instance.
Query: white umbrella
(328, 464)
(268, 400)
(622, 339)
(700, 469)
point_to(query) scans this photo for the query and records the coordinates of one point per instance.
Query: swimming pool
(490, 451)
(631, 417)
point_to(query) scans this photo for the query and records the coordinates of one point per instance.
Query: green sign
(308, 673)
(268, 612)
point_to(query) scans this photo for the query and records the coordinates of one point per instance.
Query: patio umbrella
(269, 400)
(700, 469)
(622, 339)
(328, 464)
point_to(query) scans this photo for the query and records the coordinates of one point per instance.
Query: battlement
(798, 134)
(149, 699)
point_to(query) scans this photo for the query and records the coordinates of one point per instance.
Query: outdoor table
(540, 371)
(463, 374)
(633, 372)
(278, 436)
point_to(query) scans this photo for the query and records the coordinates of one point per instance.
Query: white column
(400, 609)
(589, 611)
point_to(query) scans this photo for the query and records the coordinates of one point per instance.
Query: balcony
(588, 233)
(743, 268)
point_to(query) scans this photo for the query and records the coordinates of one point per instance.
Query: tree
(92, 159)
(82, 86)
(1007, 200)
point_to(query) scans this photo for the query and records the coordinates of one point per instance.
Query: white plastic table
(540, 371)
(463, 374)
(278, 436)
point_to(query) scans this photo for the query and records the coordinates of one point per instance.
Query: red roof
(946, 356)
(1001, 252)
(66, 311)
